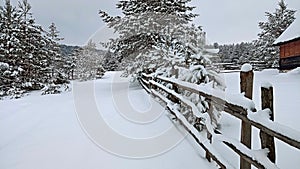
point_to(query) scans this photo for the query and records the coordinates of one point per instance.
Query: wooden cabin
(289, 43)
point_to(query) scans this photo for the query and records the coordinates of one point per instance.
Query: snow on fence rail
(239, 106)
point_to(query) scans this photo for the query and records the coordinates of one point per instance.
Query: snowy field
(45, 131)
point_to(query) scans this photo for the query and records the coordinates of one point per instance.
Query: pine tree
(53, 33)
(10, 44)
(89, 63)
(24, 51)
(110, 62)
(275, 25)
(149, 27)
(35, 60)
(57, 61)
(157, 36)
(10, 49)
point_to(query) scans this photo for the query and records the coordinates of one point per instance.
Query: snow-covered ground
(47, 132)
(286, 107)
(44, 132)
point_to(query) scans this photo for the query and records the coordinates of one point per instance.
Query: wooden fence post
(176, 73)
(209, 135)
(246, 84)
(175, 87)
(267, 141)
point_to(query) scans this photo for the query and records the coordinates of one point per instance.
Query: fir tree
(277, 22)
(149, 28)
(57, 61)
(35, 58)
(53, 33)
(156, 35)
(10, 49)
(89, 62)
(10, 44)
(24, 51)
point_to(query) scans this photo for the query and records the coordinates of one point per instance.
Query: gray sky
(225, 21)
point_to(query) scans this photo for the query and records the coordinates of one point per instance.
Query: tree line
(261, 51)
(29, 55)
(32, 58)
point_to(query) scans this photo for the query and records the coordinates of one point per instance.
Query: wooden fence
(249, 116)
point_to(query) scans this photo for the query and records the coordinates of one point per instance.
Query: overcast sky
(225, 21)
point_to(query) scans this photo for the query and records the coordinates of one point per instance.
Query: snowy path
(44, 132)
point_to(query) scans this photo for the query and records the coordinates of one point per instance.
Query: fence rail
(242, 108)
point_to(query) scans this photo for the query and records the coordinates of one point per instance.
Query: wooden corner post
(267, 141)
(246, 84)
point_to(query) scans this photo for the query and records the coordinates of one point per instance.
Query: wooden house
(289, 43)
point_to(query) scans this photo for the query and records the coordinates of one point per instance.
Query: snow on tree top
(246, 67)
(291, 33)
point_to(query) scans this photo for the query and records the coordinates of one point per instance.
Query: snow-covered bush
(55, 89)
(15, 93)
(4, 66)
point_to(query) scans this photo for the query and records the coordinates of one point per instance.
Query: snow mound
(246, 67)
(270, 71)
(295, 71)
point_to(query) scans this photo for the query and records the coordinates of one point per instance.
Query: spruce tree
(10, 44)
(89, 62)
(277, 22)
(150, 28)
(157, 35)
(10, 49)
(24, 51)
(57, 61)
(35, 60)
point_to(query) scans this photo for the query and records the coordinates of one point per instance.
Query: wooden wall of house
(290, 55)
(290, 49)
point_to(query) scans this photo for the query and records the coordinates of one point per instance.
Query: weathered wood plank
(267, 141)
(246, 85)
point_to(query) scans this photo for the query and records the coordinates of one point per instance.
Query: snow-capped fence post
(267, 141)
(246, 85)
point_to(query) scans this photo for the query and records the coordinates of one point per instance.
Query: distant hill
(67, 50)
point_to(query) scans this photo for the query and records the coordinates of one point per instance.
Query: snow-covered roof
(291, 33)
